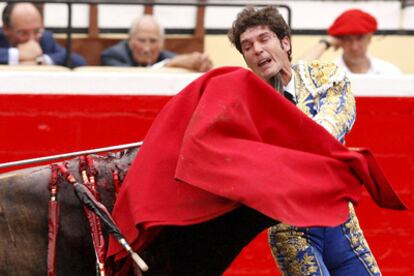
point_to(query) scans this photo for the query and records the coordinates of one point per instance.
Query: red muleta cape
(229, 139)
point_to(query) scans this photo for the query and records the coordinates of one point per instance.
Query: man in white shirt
(352, 31)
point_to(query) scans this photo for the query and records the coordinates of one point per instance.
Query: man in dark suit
(145, 48)
(23, 39)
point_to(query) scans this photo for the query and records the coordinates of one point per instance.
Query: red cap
(353, 22)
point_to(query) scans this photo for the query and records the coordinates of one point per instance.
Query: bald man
(145, 48)
(23, 39)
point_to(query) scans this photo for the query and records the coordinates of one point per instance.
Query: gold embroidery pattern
(359, 245)
(324, 94)
(290, 249)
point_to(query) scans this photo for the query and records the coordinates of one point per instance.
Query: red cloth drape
(229, 139)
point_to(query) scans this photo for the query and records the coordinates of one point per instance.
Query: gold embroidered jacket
(323, 92)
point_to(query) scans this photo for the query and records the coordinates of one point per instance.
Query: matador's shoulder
(319, 76)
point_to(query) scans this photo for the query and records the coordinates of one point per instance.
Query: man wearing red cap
(352, 31)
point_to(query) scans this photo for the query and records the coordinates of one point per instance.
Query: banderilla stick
(68, 155)
(90, 202)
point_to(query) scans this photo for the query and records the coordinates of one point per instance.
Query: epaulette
(319, 76)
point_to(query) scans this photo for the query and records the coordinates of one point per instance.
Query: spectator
(352, 31)
(23, 39)
(145, 48)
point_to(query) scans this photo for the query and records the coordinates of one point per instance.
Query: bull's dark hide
(24, 199)
(202, 249)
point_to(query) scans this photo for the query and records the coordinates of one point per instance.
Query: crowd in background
(24, 40)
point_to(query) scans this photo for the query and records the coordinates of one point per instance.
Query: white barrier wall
(160, 83)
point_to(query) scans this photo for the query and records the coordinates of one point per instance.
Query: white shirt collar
(290, 87)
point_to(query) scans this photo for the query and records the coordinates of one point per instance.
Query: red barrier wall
(39, 125)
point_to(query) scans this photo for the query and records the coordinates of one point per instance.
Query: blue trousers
(335, 251)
